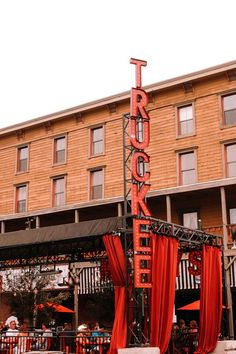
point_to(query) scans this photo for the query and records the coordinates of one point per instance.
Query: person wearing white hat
(82, 340)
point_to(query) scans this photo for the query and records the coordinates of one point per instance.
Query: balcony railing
(218, 230)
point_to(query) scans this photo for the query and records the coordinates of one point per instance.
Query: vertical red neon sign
(140, 180)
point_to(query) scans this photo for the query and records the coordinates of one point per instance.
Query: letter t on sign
(138, 75)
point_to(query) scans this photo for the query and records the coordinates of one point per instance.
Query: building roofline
(121, 97)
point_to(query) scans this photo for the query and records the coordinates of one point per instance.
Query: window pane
(97, 192)
(22, 193)
(59, 150)
(21, 199)
(21, 208)
(230, 117)
(60, 156)
(186, 127)
(229, 103)
(97, 178)
(187, 161)
(188, 177)
(190, 220)
(97, 141)
(232, 216)
(231, 153)
(24, 153)
(59, 192)
(232, 169)
(60, 144)
(187, 168)
(185, 115)
(98, 147)
(97, 184)
(23, 159)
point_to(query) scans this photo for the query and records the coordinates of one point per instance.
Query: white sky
(57, 54)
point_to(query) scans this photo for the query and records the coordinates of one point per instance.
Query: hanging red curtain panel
(210, 299)
(164, 267)
(117, 267)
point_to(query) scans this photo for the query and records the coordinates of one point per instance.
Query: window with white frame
(229, 109)
(96, 184)
(58, 191)
(59, 153)
(21, 198)
(22, 158)
(97, 141)
(190, 220)
(231, 160)
(185, 120)
(232, 216)
(187, 168)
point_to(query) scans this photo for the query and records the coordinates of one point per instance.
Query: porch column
(2, 227)
(76, 216)
(226, 261)
(119, 209)
(168, 208)
(37, 222)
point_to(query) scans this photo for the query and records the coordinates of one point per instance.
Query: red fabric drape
(210, 299)
(116, 260)
(165, 253)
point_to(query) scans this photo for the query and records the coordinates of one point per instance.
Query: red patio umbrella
(55, 307)
(193, 306)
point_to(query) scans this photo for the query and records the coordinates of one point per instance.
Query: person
(193, 335)
(11, 336)
(82, 341)
(24, 341)
(44, 342)
(12, 317)
(182, 324)
(67, 338)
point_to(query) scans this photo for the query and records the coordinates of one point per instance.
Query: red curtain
(116, 260)
(210, 299)
(165, 253)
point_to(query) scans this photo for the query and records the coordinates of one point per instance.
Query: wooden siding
(163, 148)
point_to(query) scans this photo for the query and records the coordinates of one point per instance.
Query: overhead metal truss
(187, 238)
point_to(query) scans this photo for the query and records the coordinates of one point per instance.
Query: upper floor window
(96, 184)
(97, 141)
(21, 198)
(185, 120)
(190, 220)
(229, 109)
(231, 160)
(187, 168)
(58, 191)
(22, 158)
(59, 155)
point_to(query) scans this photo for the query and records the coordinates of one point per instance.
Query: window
(22, 158)
(185, 120)
(232, 216)
(59, 155)
(97, 141)
(187, 168)
(229, 109)
(231, 160)
(96, 183)
(58, 191)
(21, 198)
(190, 220)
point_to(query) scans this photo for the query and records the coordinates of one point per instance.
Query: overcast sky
(59, 54)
